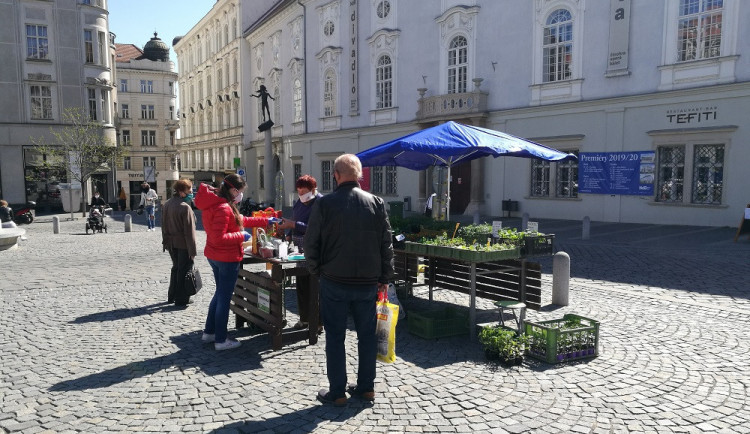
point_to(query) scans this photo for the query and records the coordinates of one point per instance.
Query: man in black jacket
(348, 246)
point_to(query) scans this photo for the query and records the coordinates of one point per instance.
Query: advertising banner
(626, 173)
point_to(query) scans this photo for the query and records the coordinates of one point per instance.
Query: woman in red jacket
(223, 224)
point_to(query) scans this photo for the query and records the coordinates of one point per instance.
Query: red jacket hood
(206, 198)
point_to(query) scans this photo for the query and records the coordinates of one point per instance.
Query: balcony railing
(450, 105)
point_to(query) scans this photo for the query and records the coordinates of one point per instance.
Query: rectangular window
(708, 174)
(126, 164)
(88, 45)
(326, 173)
(171, 88)
(699, 29)
(149, 161)
(92, 104)
(171, 112)
(297, 171)
(102, 49)
(123, 85)
(41, 102)
(37, 43)
(147, 111)
(147, 86)
(376, 182)
(125, 108)
(261, 178)
(390, 180)
(566, 179)
(671, 170)
(126, 137)
(144, 138)
(540, 178)
(384, 83)
(152, 138)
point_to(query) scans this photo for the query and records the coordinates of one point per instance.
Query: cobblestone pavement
(88, 345)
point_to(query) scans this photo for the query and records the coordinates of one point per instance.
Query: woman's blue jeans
(337, 300)
(225, 274)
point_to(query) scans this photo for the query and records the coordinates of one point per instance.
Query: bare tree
(78, 150)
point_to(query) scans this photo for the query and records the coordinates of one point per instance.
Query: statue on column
(264, 95)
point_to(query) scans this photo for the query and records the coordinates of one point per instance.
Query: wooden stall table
(258, 299)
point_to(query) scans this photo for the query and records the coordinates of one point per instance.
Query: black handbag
(193, 281)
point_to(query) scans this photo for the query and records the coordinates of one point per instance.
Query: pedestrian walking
(223, 224)
(148, 200)
(307, 192)
(348, 246)
(178, 238)
(122, 199)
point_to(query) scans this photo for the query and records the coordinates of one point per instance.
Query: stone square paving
(89, 345)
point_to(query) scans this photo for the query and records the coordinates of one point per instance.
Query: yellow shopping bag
(387, 316)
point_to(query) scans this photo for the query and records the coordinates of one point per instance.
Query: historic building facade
(212, 58)
(56, 55)
(666, 79)
(146, 118)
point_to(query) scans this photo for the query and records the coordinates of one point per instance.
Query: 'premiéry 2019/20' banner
(627, 173)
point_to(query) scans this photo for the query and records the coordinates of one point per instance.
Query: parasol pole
(448, 196)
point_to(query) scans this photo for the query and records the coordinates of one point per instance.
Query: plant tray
(551, 342)
(438, 323)
(465, 255)
(533, 245)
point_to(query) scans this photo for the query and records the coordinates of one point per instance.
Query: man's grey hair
(348, 165)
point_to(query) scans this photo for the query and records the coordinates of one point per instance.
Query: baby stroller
(95, 220)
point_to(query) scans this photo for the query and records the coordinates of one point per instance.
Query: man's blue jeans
(150, 219)
(336, 301)
(225, 274)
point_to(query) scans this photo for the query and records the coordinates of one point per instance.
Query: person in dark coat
(178, 238)
(348, 245)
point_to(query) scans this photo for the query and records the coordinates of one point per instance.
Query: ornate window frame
(384, 42)
(567, 90)
(457, 21)
(703, 72)
(329, 60)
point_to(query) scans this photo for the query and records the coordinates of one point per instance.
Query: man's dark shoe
(326, 397)
(357, 393)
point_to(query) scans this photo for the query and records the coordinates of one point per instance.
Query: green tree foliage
(78, 150)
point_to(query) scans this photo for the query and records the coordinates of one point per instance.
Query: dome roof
(156, 50)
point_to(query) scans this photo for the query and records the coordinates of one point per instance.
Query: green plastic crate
(549, 343)
(438, 323)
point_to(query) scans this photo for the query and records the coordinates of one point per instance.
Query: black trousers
(181, 264)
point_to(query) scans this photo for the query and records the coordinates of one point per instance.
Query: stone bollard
(476, 217)
(586, 234)
(55, 224)
(128, 222)
(525, 221)
(560, 278)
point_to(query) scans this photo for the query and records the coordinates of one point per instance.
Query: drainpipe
(304, 54)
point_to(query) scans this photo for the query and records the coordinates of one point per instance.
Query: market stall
(258, 299)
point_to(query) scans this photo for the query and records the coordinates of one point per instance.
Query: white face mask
(238, 198)
(307, 196)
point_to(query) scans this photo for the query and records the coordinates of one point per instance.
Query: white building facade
(211, 59)
(146, 119)
(56, 55)
(670, 79)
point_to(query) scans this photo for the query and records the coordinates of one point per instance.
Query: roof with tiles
(127, 52)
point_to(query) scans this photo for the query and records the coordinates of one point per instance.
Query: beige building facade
(146, 119)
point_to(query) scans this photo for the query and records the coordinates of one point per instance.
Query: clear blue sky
(135, 21)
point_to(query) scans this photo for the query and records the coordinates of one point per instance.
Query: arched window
(226, 34)
(384, 83)
(219, 80)
(234, 28)
(297, 96)
(220, 115)
(329, 93)
(458, 64)
(234, 70)
(557, 46)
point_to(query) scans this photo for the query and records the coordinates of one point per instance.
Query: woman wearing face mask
(307, 192)
(178, 238)
(223, 224)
